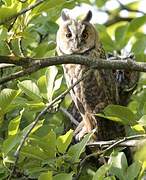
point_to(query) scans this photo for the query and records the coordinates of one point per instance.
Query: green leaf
(64, 141)
(133, 170)
(105, 38)
(47, 143)
(45, 176)
(100, 3)
(63, 176)
(121, 37)
(48, 5)
(76, 150)
(51, 74)
(101, 172)
(57, 84)
(42, 84)
(14, 125)
(4, 49)
(122, 113)
(136, 23)
(140, 155)
(133, 5)
(6, 98)
(3, 33)
(142, 120)
(30, 89)
(139, 46)
(33, 152)
(43, 48)
(10, 143)
(118, 160)
(118, 164)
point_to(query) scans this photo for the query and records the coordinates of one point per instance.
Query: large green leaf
(3, 33)
(119, 113)
(6, 98)
(118, 164)
(14, 125)
(41, 50)
(63, 176)
(136, 23)
(101, 172)
(139, 48)
(51, 74)
(121, 37)
(100, 3)
(76, 150)
(48, 5)
(42, 84)
(30, 89)
(33, 152)
(133, 170)
(47, 143)
(45, 176)
(4, 48)
(64, 141)
(10, 143)
(105, 38)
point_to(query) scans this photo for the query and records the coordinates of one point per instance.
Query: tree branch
(72, 119)
(37, 64)
(113, 144)
(125, 7)
(23, 11)
(117, 19)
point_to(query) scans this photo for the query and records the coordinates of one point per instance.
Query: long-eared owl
(99, 88)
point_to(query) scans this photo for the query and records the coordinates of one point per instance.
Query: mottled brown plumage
(99, 88)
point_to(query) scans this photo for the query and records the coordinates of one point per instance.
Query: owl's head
(76, 37)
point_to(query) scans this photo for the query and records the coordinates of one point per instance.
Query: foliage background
(47, 154)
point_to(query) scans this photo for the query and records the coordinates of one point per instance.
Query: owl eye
(68, 35)
(85, 35)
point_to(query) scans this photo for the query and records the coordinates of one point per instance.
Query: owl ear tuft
(64, 16)
(88, 16)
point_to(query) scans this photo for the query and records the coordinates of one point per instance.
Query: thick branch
(23, 11)
(35, 64)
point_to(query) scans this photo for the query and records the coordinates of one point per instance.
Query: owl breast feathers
(99, 88)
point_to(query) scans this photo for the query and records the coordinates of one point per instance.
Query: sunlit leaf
(124, 114)
(6, 98)
(10, 143)
(30, 89)
(105, 38)
(76, 150)
(101, 172)
(133, 170)
(51, 74)
(64, 141)
(14, 125)
(63, 176)
(45, 176)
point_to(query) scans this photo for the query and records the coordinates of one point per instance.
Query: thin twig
(25, 136)
(72, 119)
(34, 65)
(105, 144)
(140, 136)
(117, 19)
(112, 146)
(23, 11)
(125, 7)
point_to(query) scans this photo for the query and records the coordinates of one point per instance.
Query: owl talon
(81, 134)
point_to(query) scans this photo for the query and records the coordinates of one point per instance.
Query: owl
(99, 88)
